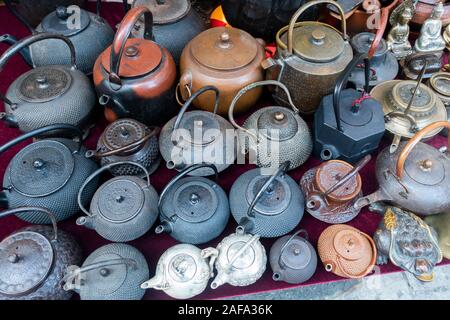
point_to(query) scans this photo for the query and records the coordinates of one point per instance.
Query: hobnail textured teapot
(33, 260)
(416, 177)
(270, 206)
(47, 173)
(122, 209)
(293, 259)
(112, 272)
(275, 134)
(183, 271)
(128, 140)
(191, 138)
(194, 209)
(241, 260)
(49, 94)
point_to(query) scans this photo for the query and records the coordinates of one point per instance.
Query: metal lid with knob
(62, 21)
(440, 83)
(165, 11)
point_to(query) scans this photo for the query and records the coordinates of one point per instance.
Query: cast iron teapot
(416, 177)
(33, 260)
(194, 209)
(47, 173)
(123, 209)
(293, 141)
(270, 206)
(112, 272)
(348, 124)
(50, 94)
(190, 138)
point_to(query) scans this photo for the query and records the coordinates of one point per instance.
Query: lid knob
(296, 251)
(38, 164)
(42, 81)
(104, 272)
(426, 164)
(61, 12)
(124, 131)
(131, 51)
(120, 199)
(194, 198)
(318, 37)
(225, 40)
(13, 258)
(279, 116)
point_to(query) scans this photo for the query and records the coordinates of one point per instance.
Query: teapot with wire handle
(123, 209)
(47, 173)
(193, 210)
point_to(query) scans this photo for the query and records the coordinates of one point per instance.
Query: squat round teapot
(112, 272)
(49, 94)
(198, 136)
(194, 209)
(47, 173)
(183, 271)
(416, 177)
(292, 138)
(33, 260)
(123, 209)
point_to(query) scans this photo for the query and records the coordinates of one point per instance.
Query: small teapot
(416, 177)
(332, 189)
(183, 271)
(33, 259)
(270, 206)
(123, 209)
(112, 272)
(47, 173)
(293, 259)
(193, 210)
(128, 140)
(346, 251)
(294, 142)
(191, 137)
(241, 260)
(49, 94)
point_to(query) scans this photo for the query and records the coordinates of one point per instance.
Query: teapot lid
(41, 168)
(423, 103)
(362, 42)
(440, 82)
(351, 245)
(224, 48)
(165, 11)
(280, 119)
(43, 84)
(122, 132)
(297, 254)
(245, 260)
(202, 122)
(26, 259)
(120, 199)
(182, 267)
(61, 22)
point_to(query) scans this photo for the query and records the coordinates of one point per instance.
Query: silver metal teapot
(112, 272)
(123, 209)
(293, 259)
(33, 260)
(191, 137)
(183, 271)
(270, 206)
(47, 173)
(49, 94)
(194, 209)
(416, 177)
(273, 128)
(241, 260)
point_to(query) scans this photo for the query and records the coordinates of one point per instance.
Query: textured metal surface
(165, 11)
(195, 202)
(274, 201)
(122, 132)
(58, 22)
(280, 119)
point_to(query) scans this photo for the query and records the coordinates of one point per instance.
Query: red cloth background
(151, 245)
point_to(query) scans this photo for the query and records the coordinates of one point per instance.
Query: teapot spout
(220, 279)
(86, 222)
(165, 226)
(3, 199)
(157, 282)
(277, 275)
(9, 119)
(175, 164)
(246, 225)
(25, 52)
(377, 196)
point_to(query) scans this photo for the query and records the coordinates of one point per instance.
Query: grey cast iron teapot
(124, 208)
(47, 173)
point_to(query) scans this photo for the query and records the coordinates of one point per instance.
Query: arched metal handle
(284, 247)
(25, 52)
(244, 248)
(31, 209)
(103, 169)
(383, 23)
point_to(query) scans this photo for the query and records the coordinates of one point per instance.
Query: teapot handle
(247, 244)
(250, 87)
(122, 35)
(29, 209)
(413, 142)
(96, 173)
(283, 248)
(380, 31)
(73, 273)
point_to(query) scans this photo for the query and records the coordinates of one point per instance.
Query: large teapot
(311, 61)
(112, 272)
(183, 271)
(269, 206)
(49, 94)
(275, 134)
(123, 208)
(135, 77)
(47, 173)
(33, 260)
(416, 177)
(194, 209)
(198, 136)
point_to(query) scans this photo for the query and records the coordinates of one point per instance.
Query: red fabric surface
(151, 245)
